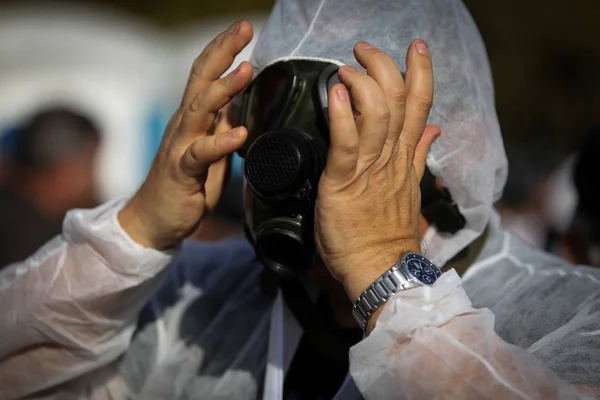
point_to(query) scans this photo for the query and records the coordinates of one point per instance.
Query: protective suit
(94, 315)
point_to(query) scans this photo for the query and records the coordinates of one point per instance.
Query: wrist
(138, 226)
(374, 265)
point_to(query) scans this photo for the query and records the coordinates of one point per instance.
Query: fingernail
(235, 132)
(364, 45)
(422, 48)
(342, 94)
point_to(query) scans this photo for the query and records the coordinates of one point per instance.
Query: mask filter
(282, 169)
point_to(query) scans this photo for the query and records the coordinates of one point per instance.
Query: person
(581, 242)
(50, 170)
(122, 308)
(527, 191)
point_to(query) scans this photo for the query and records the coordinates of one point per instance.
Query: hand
(368, 205)
(190, 168)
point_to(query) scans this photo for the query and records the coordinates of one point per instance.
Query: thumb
(209, 149)
(431, 133)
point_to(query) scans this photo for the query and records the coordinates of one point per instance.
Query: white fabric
(431, 343)
(71, 308)
(469, 156)
(434, 343)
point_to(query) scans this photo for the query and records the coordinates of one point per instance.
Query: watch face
(422, 269)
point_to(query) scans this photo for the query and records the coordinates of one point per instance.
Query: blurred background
(102, 77)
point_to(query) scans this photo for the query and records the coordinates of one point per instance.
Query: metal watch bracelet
(392, 281)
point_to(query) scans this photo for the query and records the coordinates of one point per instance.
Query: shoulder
(509, 262)
(216, 269)
(532, 293)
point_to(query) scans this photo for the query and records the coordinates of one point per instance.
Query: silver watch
(412, 270)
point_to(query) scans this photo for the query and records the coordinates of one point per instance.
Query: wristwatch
(411, 271)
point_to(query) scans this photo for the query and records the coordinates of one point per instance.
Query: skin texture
(368, 205)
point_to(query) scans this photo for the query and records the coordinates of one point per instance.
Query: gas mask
(285, 112)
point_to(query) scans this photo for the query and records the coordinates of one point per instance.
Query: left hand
(190, 167)
(368, 205)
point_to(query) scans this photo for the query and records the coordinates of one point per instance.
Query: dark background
(545, 57)
(544, 54)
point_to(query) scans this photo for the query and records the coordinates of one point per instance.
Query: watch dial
(422, 269)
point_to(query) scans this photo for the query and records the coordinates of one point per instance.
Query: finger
(419, 97)
(373, 112)
(430, 135)
(216, 179)
(209, 149)
(344, 141)
(229, 116)
(386, 73)
(201, 112)
(216, 58)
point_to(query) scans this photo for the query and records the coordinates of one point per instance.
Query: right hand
(188, 173)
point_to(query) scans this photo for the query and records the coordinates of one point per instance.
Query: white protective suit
(94, 315)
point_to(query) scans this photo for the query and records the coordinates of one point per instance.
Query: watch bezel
(405, 269)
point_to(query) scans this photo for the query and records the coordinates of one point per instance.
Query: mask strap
(438, 207)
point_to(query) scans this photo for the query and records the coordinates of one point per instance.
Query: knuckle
(220, 39)
(397, 96)
(224, 38)
(348, 148)
(409, 143)
(214, 93)
(380, 166)
(410, 152)
(223, 88)
(378, 56)
(380, 112)
(214, 144)
(355, 79)
(230, 79)
(198, 65)
(196, 152)
(196, 104)
(422, 103)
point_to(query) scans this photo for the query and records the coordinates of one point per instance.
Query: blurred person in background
(50, 169)
(560, 205)
(523, 204)
(581, 243)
